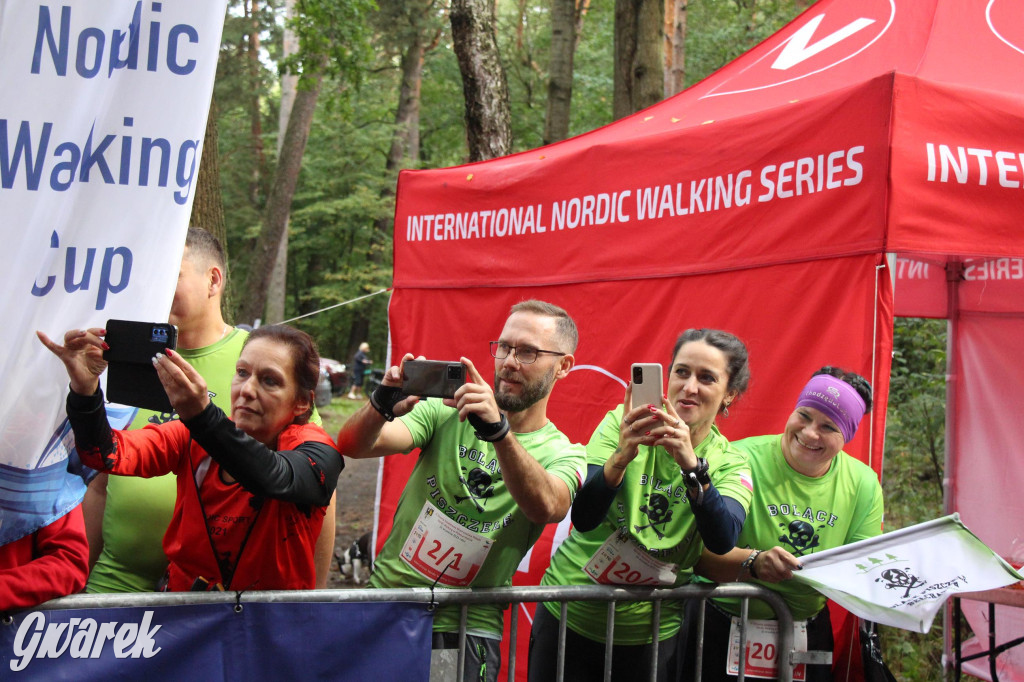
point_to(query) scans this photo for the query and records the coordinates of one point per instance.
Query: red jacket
(49, 563)
(275, 539)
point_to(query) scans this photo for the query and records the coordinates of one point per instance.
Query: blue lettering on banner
(94, 159)
(114, 258)
(123, 53)
(261, 640)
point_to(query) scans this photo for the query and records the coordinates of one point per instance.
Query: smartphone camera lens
(159, 335)
(453, 372)
(638, 376)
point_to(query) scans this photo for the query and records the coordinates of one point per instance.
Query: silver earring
(725, 411)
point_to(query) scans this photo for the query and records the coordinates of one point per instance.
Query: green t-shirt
(651, 511)
(138, 510)
(459, 476)
(804, 515)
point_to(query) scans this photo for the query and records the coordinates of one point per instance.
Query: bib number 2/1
(762, 655)
(442, 551)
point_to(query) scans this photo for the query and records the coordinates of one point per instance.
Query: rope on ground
(332, 307)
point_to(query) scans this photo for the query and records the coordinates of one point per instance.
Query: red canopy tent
(769, 200)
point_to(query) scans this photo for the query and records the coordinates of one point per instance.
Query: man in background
(360, 363)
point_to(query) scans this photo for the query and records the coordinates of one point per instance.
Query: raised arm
(543, 497)
(368, 433)
(82, 355)
(306, 473)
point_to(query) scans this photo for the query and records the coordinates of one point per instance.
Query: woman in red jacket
(253, 489)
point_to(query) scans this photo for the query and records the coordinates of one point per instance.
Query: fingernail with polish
(105, 346)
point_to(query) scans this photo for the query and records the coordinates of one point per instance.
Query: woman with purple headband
(809, 496)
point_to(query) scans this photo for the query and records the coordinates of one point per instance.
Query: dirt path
(357, 487)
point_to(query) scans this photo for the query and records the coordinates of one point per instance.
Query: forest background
(319, 103)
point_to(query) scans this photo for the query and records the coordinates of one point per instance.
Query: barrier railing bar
(655, 638)
(466, 597)
(513, 639)
(699, 670)
(609, 636)
(460, 669)
(744, 608)
(560, 672)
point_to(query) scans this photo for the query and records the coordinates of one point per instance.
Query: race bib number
(442, 551)
(620, 561)
(763, 648)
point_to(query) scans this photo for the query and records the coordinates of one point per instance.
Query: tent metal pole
(954, 274)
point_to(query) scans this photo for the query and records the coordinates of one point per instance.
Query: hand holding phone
(647, 384)
(432, 378)
(131, 377)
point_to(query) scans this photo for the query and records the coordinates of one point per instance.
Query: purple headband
(838, 400)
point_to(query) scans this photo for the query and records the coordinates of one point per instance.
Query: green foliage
(442, 127)
(719, 31)
(333, 38)
(333, 222)
(592, 78)
(915, 423)
(913, 468)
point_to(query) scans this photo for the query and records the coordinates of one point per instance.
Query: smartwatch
(696, 479)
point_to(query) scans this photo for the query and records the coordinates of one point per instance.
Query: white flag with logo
(902, 578)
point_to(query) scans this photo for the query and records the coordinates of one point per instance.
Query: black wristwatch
(696, 479)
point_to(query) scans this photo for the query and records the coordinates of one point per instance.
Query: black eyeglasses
(523, 354)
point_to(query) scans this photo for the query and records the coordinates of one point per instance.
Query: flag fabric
(221, 642)
(101, 129)
(902, 578)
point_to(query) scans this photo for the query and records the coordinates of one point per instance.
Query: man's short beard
(531, 394)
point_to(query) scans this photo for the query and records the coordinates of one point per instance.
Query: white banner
(902, 578)
(102, 118)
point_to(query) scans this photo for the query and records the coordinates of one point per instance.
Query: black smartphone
(131, 377)
(432, 378)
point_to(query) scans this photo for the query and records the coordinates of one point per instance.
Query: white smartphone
(647, 384)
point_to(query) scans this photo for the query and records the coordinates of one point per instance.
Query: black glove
(384, 398)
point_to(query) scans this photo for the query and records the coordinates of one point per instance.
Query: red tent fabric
(762, 200)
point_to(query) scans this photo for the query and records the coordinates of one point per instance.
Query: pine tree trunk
(675, 46)
(405, 149)
(208, 203)
(405, 143)
(560, 70)
(484, 85)
(286, 176)
(279, 277)
(638, 77)
(255, 108)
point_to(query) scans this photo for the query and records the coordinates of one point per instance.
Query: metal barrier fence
(787, 657)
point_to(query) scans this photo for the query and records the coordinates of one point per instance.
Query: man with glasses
(493, 470)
